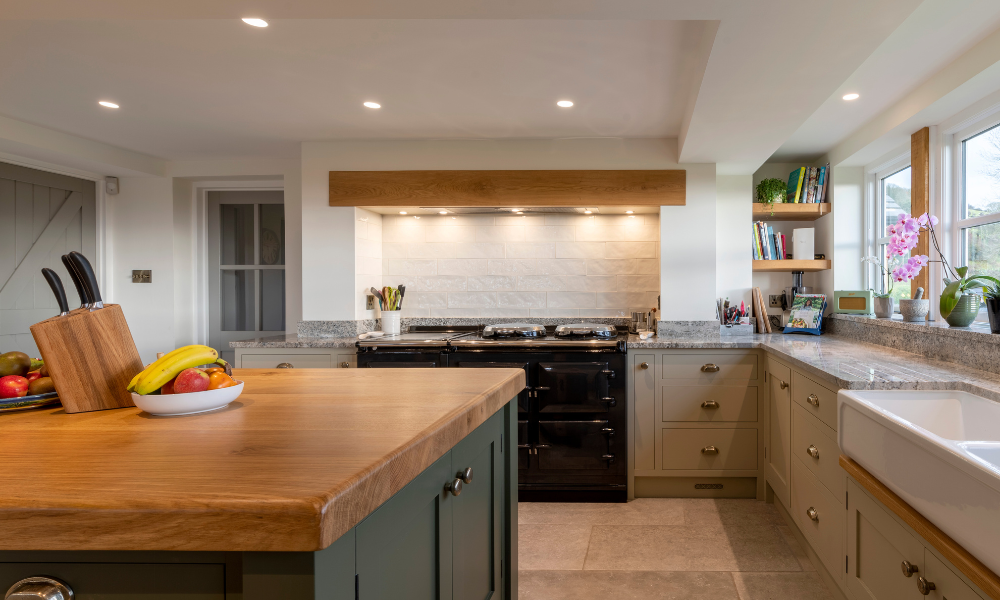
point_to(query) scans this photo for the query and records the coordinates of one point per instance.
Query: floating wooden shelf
(790, 212)
(787, 266)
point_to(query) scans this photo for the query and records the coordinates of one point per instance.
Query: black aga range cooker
(571, 416)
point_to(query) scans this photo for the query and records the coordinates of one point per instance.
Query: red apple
(168, 388)
(13, 386)
(33, 375)
(191, 380)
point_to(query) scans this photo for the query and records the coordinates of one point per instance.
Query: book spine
(770, 241)
(798, 189)
(819, 184)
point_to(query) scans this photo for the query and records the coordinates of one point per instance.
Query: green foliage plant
(770, 191)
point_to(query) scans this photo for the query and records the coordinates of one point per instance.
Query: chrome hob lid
(595, 330)
(524, 330)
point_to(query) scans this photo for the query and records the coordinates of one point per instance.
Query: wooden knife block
(90, 356)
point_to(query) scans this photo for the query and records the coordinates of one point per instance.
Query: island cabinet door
(404, 548)
(476, 513)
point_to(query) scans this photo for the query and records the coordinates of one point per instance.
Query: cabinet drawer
(347, 361)
(709, 403)
(91, 581)
(298, 361)
(779, 370)
(948, 585)
(684, 449)
(815, 445)
(701, 368)
(825, 533)
(816, 399)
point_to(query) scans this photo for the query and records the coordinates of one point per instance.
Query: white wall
(367, 258)
(521, 266)
(734, 213)
(689, 252)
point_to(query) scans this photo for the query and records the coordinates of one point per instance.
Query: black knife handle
(77, 281)
(57, 288)
(88, 276)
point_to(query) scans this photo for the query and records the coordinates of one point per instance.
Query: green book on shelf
(795, 184)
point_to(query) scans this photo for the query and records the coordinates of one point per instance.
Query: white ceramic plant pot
(884, 307)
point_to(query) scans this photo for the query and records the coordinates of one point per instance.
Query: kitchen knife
(57, 288)
(89, 279)
(81, 291)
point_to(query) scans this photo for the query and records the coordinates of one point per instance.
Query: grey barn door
(42, 217)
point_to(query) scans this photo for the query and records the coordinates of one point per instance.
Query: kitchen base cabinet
(778, 465)
(296, 358)
(426, 541)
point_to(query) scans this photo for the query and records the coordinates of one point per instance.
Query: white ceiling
(936, 33)
(732, 79)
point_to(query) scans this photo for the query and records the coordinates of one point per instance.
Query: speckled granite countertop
(849, 364)
(294, 341)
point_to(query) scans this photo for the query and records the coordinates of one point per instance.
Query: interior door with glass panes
(246, 262)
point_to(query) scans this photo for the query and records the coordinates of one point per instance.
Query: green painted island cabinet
(448, 534)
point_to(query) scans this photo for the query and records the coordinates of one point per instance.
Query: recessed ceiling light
(107, 104)
(851, 96)
(442, 212)
(631, 216)
(628, 212)
(564, 103)
(402, 212)
(515, 210)
(255, 22)
(520, 213)
(415, 217)
(373, 105)
(587, 212)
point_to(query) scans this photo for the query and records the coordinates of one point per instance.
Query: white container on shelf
(804, 243)
(390, 322)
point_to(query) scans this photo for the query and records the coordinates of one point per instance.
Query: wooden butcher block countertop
(299, 459)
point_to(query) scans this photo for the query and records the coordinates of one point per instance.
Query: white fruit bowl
(173, 405)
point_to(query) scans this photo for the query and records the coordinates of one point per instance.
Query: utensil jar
(390, 322)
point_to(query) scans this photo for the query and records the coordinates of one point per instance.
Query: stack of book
(767, 245)
(808, 185)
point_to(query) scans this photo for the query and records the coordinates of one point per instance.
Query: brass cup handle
(466, 475)
(812, 451)
(908, 568)
(710, 404)
(285, 366)
(812, 514)
(644, 366)
(710, 368)
(783, 384)
(39, 588)
(345, 365)
(925, 587)
(455, 487)
(709, 450)
(813, 399)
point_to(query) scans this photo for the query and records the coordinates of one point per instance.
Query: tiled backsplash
(520, 266)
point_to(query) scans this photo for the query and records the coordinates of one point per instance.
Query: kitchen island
(310, 484)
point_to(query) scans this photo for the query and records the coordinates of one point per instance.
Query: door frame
(201, 267)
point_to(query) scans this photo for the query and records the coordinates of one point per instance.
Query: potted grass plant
(770, 191)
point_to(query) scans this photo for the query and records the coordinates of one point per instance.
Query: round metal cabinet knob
(285, 366)
(644, 366)
(812, 451)
(39, 588)
(908, 568)
(345, 365)
(813, 399)
(925, 587)
(466, 475)
(812, 513)
(783, 384)
(455, 487)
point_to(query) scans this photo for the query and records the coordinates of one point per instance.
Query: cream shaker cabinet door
(780, 431)
(884, 562)
(645, 427)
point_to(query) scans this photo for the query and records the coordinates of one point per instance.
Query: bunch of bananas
(169, 365)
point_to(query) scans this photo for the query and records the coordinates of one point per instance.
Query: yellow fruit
(167, 367)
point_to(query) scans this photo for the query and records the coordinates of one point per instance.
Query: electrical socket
(774, 300)
(370, 303)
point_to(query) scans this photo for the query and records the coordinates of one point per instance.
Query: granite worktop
(295, 341)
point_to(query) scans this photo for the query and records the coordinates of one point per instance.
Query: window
(978, 220)
(890, 191)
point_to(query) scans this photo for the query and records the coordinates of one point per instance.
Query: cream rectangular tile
(408, 231)
(435, 250)
(394, 250)
(531, 250)
(500, 234)
(414, 300)
(647, 266)
(581, 249)
(412, 266)
(368, 266)
(639, 283)
(639, 232)
(429, 283)
(462, 266)
(630, 300)
(520, 221)
(641, 511)
(450, 234)
(552, 547)
(555, 312)
(606, 266)
(786, 586)
(569, 300)
(481, 300)
(560, 266)
(622, 585)
(565, 283)
(369, 248)
(599, 232)
(521, 299)
(512, 266)
(492, 283)
(631, 250)
(606, 313)
(385, 266)
(489, 313)
(460, 220)
(549, 234)
(568, 220)
(478, 250)
(407, 311)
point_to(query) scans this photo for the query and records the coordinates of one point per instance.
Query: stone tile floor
(660, 549)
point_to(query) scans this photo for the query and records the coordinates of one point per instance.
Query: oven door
(401, 360)
(575, 445)
(470, 362)
(574, 387)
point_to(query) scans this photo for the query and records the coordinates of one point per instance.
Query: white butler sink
(939, 451)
